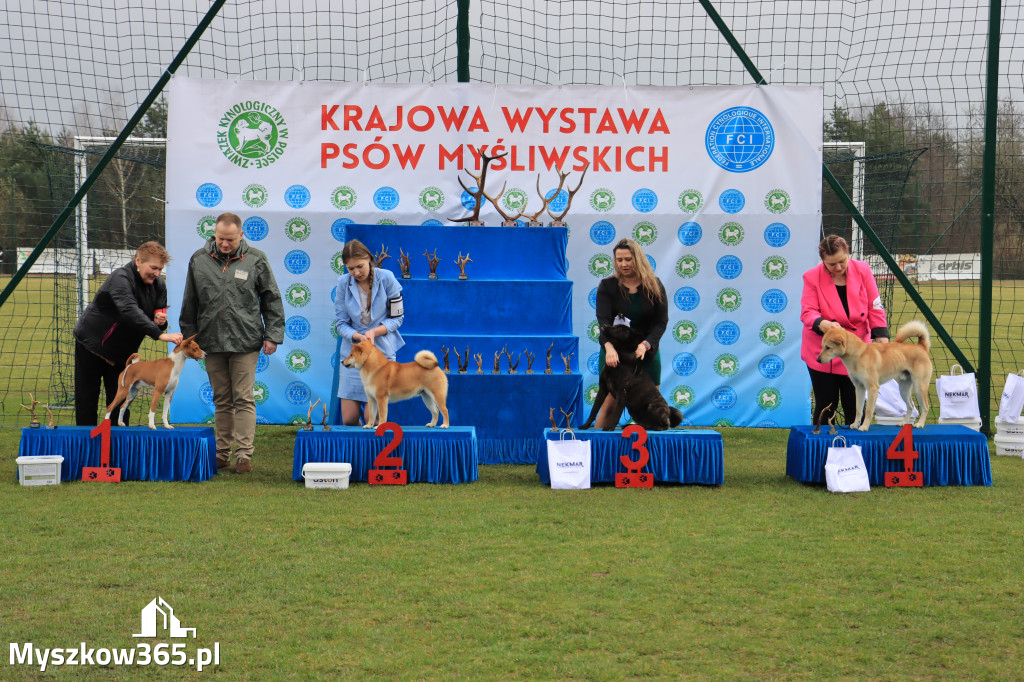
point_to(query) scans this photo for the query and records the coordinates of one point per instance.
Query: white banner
(949, 266)
(721, 185)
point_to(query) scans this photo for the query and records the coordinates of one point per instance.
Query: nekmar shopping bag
(958, 395)
(569, 462)
(844, 469)
(1012, 402)
(890, 402)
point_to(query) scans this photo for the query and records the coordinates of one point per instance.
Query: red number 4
(908, 477)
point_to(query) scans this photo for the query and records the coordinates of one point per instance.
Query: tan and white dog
(162, 375)
(386, 380)
(872, 364)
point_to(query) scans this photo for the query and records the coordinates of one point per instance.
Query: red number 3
(638, 445)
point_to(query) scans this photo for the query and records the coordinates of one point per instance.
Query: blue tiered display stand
(518, 296)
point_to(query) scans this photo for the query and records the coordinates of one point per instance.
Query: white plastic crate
(40, 470)
(1014, 448)
(969, 423)
(326, 474)
(1009, 430)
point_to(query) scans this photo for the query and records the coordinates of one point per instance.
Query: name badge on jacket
(242, 274)
(395, 307)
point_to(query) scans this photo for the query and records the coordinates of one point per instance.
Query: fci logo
(252, 134)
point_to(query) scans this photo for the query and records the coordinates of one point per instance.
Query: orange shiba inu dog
(385, 380)
(873, 364)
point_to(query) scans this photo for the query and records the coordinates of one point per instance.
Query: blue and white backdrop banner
(721, 186)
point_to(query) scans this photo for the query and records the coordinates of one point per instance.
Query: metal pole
(988, 203)
(111, 151)
(462, 41)
(82, 220)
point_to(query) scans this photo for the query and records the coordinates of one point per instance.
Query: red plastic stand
(908, 478)
(634, 478)
(380, 476)
(104, 473)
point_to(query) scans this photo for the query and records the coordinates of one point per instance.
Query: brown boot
(242, 466)
(223, 463)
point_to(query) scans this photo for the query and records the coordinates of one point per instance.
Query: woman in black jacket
(633, 296)
(129, 306)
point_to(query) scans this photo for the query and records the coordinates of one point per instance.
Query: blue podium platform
(948, 454)
(676, 455)
(429, 455)
(182, 454)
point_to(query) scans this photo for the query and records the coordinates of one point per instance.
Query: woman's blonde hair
(648, 281)
(356, 249)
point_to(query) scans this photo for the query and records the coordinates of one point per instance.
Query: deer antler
(545, 202)
(568, 416)
(382, 256)
(554, 424)
(480, 181)
(497, 207)
(572, 193)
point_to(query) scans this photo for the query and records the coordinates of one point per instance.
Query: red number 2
(383, 457)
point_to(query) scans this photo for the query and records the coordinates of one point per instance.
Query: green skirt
(650, 364)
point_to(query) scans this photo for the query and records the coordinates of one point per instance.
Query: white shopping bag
(890, 402)
(569, 462)
(958, 395)
(844, 469)
(1012, 402)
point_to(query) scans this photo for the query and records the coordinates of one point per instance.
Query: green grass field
(762, 577)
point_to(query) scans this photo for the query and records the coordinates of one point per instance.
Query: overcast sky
(86, 64)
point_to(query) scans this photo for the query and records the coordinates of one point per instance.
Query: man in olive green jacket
(232, 303)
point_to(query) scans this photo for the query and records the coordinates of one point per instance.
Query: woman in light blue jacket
(367, 306)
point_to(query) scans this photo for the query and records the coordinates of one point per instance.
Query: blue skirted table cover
(507, 410)
(948, 454)
(182, 454)
(676, 455)
(429, 455)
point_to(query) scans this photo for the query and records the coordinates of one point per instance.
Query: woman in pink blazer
(838, 293)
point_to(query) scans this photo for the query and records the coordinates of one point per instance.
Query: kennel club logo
(726, 365)
(255, 195)
(252, 134)
(728, 299)
(600, 265)
(298, 295)
(298, 360)
(431, 198)
(343, 198)
(774, 267)
(682, 396)
(602, 199)
(777, 201)
(690, 201)
(297, 229)
(645, 233)
(768, 398)
(740, 139)
(688, 265)
(205, 226)
(773, 333)
(685, 331)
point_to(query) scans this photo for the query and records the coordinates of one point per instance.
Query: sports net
(905, 81)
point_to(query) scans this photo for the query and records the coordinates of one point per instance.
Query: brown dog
(873, 364)
(385, 380)
(161, 374)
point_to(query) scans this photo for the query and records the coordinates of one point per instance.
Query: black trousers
(90, 370)
(831, 390)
